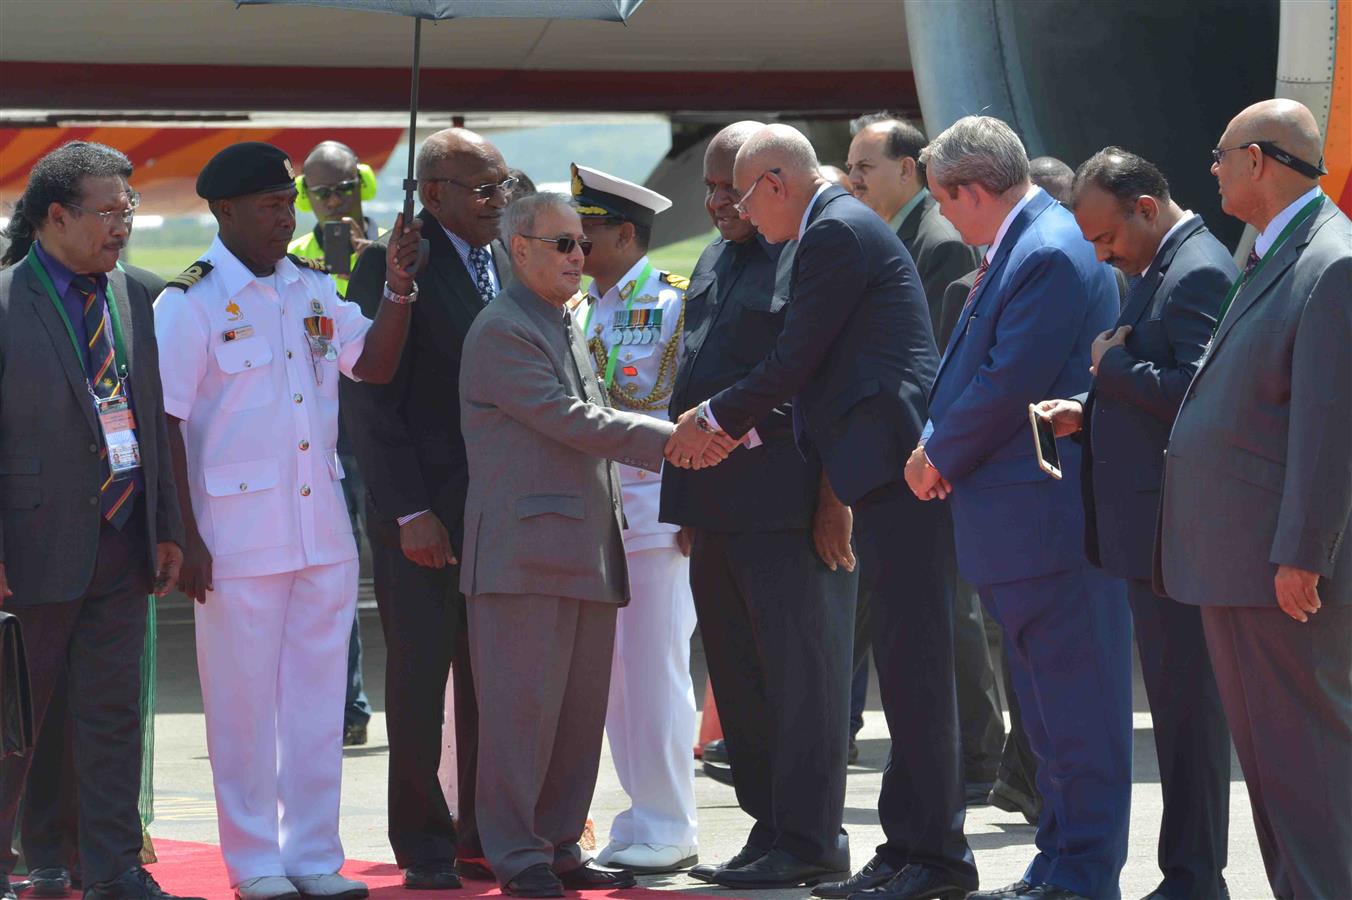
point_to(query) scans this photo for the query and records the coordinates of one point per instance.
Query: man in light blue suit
(1039, 300)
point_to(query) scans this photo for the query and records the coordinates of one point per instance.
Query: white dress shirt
(1268, 236)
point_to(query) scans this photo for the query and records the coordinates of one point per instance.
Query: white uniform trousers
(651, 714)
(272, 658)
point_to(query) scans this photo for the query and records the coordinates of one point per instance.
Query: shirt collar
(1187, 217)
(802, 226)
(1268, 237)
(461, 245)
(627, 277)
(236, 276)
(906, 210)
(1033, 191)
(56, 270)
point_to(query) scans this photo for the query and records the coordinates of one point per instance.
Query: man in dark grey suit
(1180, 274)
(543, 564)
(1257, 500)
(886, 174)
(89, 517)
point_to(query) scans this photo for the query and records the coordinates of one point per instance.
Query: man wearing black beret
(253, 344)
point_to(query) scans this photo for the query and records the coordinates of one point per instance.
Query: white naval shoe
(266, 887)
(603, 858)
(329, 887)
(649, 859)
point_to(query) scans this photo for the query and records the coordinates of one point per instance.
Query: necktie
(480, 259)
(980, 274)
(1251, 262)
(114, 496)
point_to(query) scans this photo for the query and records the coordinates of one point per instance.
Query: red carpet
(196, 870)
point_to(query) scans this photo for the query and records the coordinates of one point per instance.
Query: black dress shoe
(715, 752)
(1008, 892)
(877, 873)
(474, 868)
(721, 774)
(778, 869)
(1050, 892)
(437, 876)
(916, 882)
(977, 793)
(745, 856)
(49, 881)
(354, 735)
(591, 877)
(536, 881)
(1160, 894)
(133, 884)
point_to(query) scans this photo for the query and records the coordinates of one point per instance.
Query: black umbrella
(601, 10)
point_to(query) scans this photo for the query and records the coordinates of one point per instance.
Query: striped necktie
(115, 497)
(980, 274)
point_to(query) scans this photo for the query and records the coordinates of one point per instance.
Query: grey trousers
(542, 674)
(1287, 691)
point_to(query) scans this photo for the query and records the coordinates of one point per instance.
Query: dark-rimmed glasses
(1270, 148)
(108, 218)
(484, 192)
(343, 189)
(564, 245)
(740, 205)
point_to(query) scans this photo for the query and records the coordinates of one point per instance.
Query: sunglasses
(484, 192)
(564, 245)
(341, 189)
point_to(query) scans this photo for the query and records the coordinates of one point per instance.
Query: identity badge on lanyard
(119, 434)
(116, 419)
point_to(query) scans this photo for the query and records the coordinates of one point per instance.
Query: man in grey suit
(1257, 499)
(543, 564)
(1180, 273)
(885, 173)
(89, 518)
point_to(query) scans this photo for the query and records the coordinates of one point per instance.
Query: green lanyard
(1305, 212)
(615, 348)
(81, 353)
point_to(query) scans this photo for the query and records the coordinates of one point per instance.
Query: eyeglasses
(110, 217)
(1270, 148)
(485, 192)
(740, 205)
(342, 189)
(564, 245)
(1219, 152)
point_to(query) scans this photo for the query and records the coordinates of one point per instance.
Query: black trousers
(903, 544)
(777, 628)
(1192, 742)
(49, 817)
(95, 641)
(422, 613)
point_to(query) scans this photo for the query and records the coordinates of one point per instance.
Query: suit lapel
(65, 352)
(117, 279)
(1270, 273)
(1143, 292)
(910, 226)
(445, 265)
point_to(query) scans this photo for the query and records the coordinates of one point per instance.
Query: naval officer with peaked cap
(253, 342)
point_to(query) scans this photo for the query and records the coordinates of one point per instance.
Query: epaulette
(309, 262)
(190, 276)
(677, 281)
(576, 300)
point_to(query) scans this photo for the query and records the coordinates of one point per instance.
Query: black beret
(248, 168)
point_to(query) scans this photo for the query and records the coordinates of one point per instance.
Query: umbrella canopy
(601, 10)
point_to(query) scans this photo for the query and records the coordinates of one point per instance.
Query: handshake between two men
(698, 442)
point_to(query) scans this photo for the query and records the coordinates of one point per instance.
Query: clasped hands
(691, 447)
(923, 479)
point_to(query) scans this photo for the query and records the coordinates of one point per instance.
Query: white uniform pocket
(247, 510)
(246, 367)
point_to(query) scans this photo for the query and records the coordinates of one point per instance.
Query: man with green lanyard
(1257, 499)
(89, 521)
(631, 322)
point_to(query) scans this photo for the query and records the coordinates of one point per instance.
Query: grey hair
(520, 215)
(977, 150)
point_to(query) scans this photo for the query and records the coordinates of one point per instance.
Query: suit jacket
(1259, 468)
(939, 253)
(543, 515)
(1131, 407)
(406, 434)
(856, 355)
(1025, 337)
(955, 295)
(50, 472)
(734, 311)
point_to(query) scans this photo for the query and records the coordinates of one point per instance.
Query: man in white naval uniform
(631, 321)
(254, 342)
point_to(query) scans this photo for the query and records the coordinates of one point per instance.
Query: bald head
(454, 146)
(459, 181)
(776, 174)
(720, 197)
(1256, 185)
(780, 147)
(332, 154)
(728, 141)
(1052, 175)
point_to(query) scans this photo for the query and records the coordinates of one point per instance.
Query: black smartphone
(1044, 442)
(338, 247)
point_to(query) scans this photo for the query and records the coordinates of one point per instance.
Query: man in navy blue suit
(1180, 274)
(857, 357)
(1023, 335)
